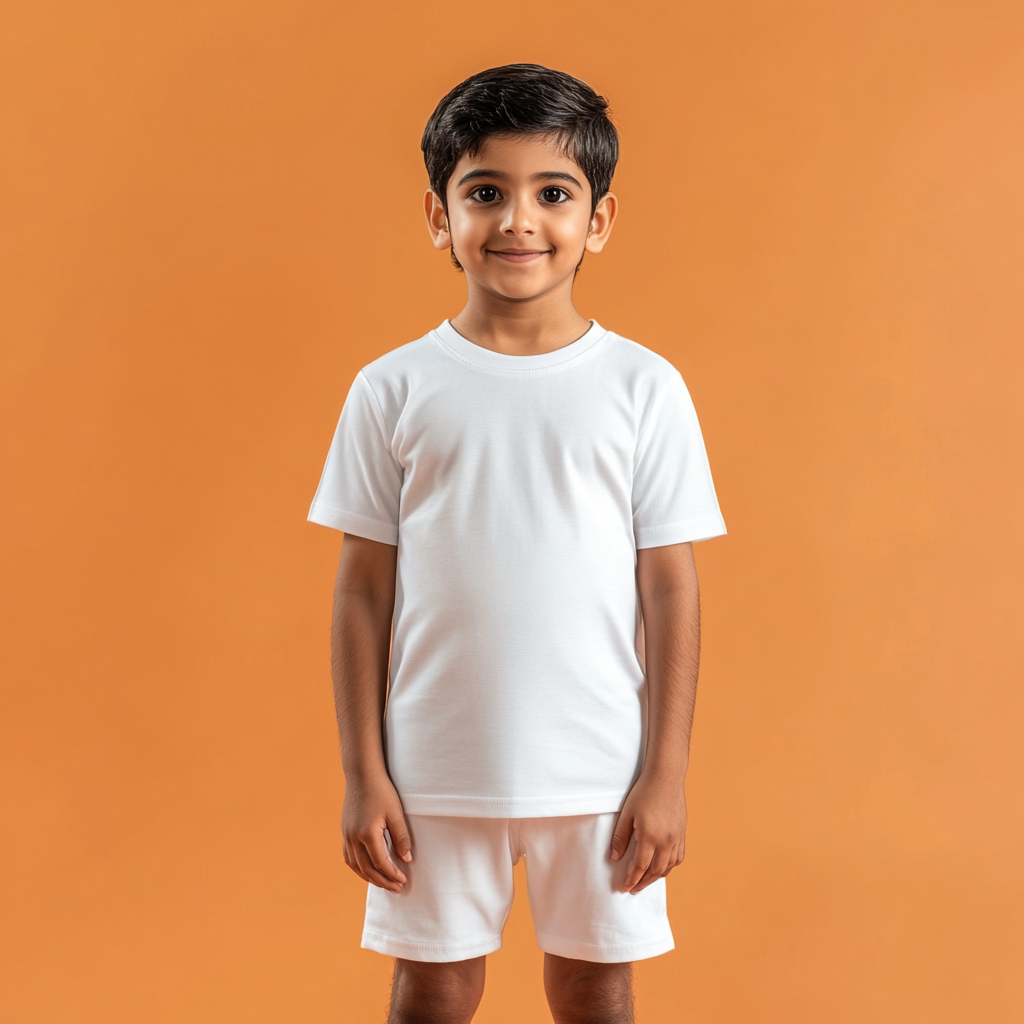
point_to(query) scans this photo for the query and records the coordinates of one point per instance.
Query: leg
(582, 992)
(436, 993)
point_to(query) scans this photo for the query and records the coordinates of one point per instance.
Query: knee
(581, 992)
(436, 993)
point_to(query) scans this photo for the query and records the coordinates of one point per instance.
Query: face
(519, 217)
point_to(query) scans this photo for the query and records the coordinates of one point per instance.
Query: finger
(401, 841)
(675, 858)
(372, 875)
(620, 837)
(643, 854)
(658, 868)
(377, 849)
(352, 860)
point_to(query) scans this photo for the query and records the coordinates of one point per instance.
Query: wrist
(365, 774)
(666, 769)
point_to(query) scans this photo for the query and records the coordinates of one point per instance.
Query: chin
(520, 286)
(519, 294)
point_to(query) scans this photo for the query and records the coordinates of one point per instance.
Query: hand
(656, 810)
(371, 807)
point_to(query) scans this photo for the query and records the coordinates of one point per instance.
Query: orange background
(212, 220)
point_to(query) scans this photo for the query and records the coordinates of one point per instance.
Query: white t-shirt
(517, 489)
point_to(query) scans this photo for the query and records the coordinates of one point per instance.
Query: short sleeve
(674, 498)
(361, 483)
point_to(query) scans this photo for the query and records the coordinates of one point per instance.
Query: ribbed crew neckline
(491, 360)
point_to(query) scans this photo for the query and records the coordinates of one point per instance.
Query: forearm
(364, 605)
(360, 646)
(671, 611)
(655, 810)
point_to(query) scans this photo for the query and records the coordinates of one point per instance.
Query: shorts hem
(601, 954)
(429, 952)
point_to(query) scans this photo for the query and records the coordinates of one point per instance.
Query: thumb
(400, 839)
(620, 838)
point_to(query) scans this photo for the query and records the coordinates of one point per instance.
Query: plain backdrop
(211, 220)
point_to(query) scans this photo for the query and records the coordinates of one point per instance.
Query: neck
(520, 327)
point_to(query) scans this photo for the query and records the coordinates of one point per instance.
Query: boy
(519, 491)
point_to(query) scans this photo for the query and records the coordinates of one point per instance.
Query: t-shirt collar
(489, 359)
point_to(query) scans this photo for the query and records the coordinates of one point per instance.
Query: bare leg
(581, 992)
(447, 993)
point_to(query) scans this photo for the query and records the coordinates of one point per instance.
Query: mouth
(519, 255)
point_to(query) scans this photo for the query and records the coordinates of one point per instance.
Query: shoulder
(404, 371)
(401, 360)
(641, 366)
(397, 376)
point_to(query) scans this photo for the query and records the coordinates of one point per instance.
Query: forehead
(519, 156)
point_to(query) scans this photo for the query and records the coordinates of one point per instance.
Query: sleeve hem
(687, 531)
(349, 522)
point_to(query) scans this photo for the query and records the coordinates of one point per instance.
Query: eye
(485, 194)
(553, 194)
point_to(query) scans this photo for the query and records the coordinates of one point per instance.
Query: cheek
(570, 233)
(469, 227)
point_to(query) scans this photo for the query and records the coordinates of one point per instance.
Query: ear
(437, 220)
(602, 222)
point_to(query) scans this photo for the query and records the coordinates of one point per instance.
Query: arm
(364, 603)
(656, 807)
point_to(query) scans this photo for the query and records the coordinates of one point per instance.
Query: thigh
(577, 908)
(458, 894)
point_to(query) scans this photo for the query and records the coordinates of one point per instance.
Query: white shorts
(459, 891)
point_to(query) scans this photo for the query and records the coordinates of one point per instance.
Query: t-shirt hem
(687, 531)
(512, 806)
(348, 522)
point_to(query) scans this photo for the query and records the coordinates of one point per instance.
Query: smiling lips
(518, 255)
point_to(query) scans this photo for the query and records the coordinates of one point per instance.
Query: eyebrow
(502, 176)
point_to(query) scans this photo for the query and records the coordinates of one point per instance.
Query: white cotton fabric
(518, 489)
(460, 887)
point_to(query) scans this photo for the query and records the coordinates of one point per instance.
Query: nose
(518, 220)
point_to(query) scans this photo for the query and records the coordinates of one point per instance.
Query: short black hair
(522, 99)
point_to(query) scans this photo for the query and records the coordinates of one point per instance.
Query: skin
(519, 218)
